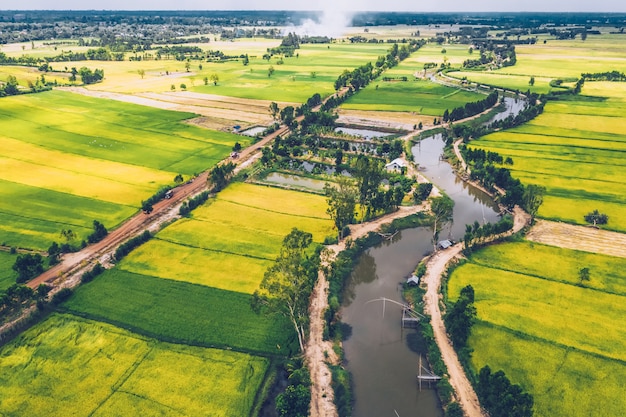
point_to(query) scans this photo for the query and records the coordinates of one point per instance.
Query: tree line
(471, 109)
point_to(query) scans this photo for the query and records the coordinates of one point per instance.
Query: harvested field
(586, 239)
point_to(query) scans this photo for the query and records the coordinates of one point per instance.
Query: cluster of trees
(22, 60)
(28, 266)
(98, 54)
(16, 296)
(192, 203)
(92, 273)
(596, 218)
(480, 157)
(126, 247)
(220, 175)
(88, 76)
(471, 109)
(357, 78)
(147, 205)
(475, 234)
(501, 398)
(422, 191)
(460, 317)
(341, 200)
(604, 76)
(295, 400)
(99, 232)
(10, 87)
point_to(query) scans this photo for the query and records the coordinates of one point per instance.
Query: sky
(340, 5)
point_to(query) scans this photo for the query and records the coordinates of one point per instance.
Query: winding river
(383, 366)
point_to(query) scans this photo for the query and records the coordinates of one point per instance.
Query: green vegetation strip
(181, 312)
(72, 366)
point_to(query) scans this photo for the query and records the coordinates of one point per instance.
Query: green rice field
(181, 312)
(70, 159)
(72, 366)
(7, 275)
(415, 95)
(292, 81)
(563, 341)
(575, 149)
(230, 242)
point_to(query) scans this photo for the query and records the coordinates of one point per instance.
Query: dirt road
(164, 211)
(435, 267)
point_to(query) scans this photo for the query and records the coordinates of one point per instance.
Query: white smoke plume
(333, 20)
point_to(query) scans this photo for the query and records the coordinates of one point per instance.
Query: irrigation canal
(383, 365)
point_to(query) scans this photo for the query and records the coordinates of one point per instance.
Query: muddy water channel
(383, 367)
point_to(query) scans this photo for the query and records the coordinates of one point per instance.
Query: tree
(532, 198)
(442, 213)
(287, 115)
(341, 203)
(583, 275)
(28, 266)
(422, 191)
(10, 86)
(274, 110)
(531, 82)
(147, 207)
(54, 251)
(338, 157)
(178, 179)
(246, 60)
(187, 65)
(596, 218)
(142, 73)
(460, 318)
(183, 86)
(287, 284)
(206, 80)
(368, 174)
(270, 71)
(294, 402)
(68, 235)
(214, 78)
(237, 147)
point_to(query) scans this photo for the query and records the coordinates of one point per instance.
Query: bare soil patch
(381, 119)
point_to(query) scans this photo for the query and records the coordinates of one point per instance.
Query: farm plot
(575, 149)
(7, 275)
(567, 331)
(181, 312)
(92, 368)
(70, 159)
(229, 243)
(419, 96)
(313, 70)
